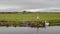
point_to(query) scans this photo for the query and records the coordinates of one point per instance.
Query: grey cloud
(30, 4)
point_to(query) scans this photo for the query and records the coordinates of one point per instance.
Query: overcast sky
(29, 4)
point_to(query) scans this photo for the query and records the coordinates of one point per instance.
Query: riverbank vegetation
(30, 18)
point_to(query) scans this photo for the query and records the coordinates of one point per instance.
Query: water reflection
(37, 31)
(30, 30)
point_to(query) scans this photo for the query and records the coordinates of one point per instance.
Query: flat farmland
(30, 17)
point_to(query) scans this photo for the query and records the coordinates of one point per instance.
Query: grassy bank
(51, 17)
(30, 17)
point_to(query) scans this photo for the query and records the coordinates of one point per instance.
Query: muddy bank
(54, 24)
(23, 24)
(26, 24)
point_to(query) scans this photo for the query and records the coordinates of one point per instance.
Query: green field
(29, 17)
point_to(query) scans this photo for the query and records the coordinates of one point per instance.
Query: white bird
(46, 23)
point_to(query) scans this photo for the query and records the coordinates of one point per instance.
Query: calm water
(29, 30)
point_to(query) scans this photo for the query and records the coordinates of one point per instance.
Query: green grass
(29, 17)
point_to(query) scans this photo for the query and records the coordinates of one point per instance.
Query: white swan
(46, 23)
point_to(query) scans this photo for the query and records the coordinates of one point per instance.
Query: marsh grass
(18, 19)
